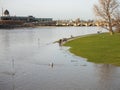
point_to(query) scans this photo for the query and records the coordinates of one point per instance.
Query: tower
(6, 13)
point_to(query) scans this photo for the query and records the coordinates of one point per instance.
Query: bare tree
(106, 10)
(117, 21)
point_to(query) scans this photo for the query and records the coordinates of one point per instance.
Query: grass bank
(99, 48)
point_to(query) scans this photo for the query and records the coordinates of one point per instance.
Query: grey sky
(57, 9)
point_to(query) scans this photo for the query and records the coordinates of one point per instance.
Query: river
(27, 54)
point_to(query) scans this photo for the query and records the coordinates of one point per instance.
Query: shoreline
(97, 48)
(65, 40)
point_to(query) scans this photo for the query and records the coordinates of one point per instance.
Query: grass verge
(99, 48)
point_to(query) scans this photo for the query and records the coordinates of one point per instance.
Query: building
(18, 18)
(7, 19)
(7, 16)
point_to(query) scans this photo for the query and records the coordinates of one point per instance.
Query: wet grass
(99, 48)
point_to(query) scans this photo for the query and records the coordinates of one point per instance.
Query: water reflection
(107, 77)
(6, 40)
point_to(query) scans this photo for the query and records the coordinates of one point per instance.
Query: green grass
(99, 48)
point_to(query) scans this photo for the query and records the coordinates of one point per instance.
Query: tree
(106, 10)
(117, 21)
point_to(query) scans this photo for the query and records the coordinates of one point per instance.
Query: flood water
(26, 56)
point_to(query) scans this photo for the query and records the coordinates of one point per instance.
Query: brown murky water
(30, 61)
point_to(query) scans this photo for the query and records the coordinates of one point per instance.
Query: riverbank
(99, 48)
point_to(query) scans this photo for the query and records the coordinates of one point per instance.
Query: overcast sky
(56, 9)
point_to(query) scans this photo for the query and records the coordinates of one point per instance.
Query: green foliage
(100, 48)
